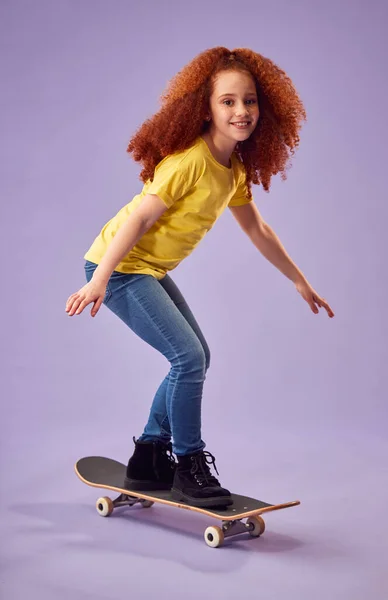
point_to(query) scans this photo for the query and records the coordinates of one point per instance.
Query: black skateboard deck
(101, 472)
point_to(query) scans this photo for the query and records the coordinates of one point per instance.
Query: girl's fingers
(75, 306)
(323, 304)
(69, 307)
(326, 306)
(77, 303)
(96, 307)
(312, 300)
(84, 302)
(70, 301)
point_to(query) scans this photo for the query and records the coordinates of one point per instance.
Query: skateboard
(101, 472)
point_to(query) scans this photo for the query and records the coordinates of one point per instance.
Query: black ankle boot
(194, 483)
(151, 467)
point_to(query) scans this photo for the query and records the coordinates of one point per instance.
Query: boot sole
(215, 501)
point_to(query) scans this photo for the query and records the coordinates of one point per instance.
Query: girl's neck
(221, 149)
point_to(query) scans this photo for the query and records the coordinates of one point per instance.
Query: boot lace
(201, 469)
(165, 452)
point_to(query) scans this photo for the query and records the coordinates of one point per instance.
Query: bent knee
(191, 359)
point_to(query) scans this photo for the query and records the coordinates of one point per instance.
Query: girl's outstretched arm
(138, 222)
(267, 242)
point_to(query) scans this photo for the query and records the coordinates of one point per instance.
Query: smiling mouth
(241, 124)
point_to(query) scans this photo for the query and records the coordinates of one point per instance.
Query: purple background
(294, 404)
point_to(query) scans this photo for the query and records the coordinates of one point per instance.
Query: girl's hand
(312, 298)
(91, 292)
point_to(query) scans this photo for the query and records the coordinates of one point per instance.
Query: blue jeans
(157, 312)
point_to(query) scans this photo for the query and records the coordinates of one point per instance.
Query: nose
(242, 111)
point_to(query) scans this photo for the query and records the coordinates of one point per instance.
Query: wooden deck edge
(203, 511)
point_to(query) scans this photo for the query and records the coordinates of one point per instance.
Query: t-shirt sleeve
(240, 196)
(174, 177)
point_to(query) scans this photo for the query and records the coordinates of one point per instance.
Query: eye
(251, 100)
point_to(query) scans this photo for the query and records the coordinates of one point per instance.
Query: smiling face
(233, 100)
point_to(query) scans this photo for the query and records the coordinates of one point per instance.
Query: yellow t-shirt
(196, 189)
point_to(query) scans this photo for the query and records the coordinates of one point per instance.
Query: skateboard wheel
(147, 503)
(258, 526)
(214, 536)
(104, 506)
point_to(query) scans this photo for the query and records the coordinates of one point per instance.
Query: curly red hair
(185, 104)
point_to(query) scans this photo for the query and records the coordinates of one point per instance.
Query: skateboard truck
(105, 505)
(214, 536)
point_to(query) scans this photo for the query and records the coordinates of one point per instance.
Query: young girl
(228, 119)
